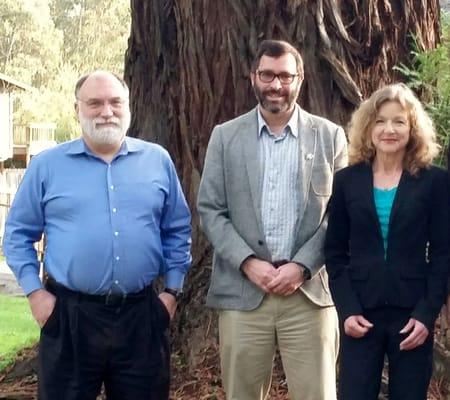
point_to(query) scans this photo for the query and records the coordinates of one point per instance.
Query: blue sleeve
(175, 232)
(24, 226)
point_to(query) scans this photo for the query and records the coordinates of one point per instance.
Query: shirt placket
(273, 166)
(115, 231)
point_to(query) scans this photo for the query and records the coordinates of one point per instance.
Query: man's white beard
(109, 135)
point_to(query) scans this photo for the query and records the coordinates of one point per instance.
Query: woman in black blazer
(387, 247)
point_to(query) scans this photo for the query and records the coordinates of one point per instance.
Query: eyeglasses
(96, 104)
(285, 78)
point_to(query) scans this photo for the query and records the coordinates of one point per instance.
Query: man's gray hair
(83, 78)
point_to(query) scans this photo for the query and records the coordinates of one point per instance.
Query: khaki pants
(306, 335)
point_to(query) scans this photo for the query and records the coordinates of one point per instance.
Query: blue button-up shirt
(280, 182)
(113, 226)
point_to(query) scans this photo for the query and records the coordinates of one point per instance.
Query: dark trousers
(90, 340)
(361, 360)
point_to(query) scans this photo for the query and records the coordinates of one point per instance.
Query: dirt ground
(19, 381)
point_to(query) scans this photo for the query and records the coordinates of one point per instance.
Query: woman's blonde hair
(422, 146)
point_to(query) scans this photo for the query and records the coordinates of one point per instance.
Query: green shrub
(429, 76)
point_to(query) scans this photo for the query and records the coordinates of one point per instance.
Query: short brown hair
(277, 48)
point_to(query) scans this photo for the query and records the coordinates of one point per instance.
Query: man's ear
(76, 108)
(252, 78)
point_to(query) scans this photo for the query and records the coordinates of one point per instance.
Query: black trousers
(362, 360)
(90, 340)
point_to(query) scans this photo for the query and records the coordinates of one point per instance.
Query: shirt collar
(292, 123)
(79, 146)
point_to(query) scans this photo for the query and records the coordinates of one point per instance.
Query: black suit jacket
(414, 272)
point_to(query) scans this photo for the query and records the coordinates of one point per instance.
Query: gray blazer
(229, 204)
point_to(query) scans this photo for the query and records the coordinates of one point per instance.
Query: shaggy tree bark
(188, 65)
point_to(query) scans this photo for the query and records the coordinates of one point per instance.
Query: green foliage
(429, 76)
(17, 328)
(29, 42)
(50, 43)
(95, 32)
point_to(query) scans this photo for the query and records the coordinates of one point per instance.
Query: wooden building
(20, 142)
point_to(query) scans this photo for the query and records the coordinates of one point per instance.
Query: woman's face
(391, 129)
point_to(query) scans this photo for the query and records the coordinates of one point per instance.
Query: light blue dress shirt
(108, 227)
(280, 186)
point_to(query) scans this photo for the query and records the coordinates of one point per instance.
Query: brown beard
(289, 98)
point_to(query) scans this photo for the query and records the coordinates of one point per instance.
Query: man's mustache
(273, 92)
(101, 121)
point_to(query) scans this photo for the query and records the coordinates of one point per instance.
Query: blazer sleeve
(213, 207)
(337, 255)
(427, 309)
(311, 254)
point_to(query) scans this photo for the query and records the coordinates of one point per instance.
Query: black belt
(279, 263)
(110, 299)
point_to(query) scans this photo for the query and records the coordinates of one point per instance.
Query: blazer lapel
(403, 189)
(251, 149)
(306, 154)
(367, 192)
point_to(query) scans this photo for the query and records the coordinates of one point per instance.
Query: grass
(17, 328)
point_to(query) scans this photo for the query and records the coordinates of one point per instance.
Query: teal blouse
(383, 204)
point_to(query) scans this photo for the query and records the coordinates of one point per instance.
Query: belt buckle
(114, 299)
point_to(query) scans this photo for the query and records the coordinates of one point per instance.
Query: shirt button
(114, 210)
(112, 187)
(116, 233)
(117, 258)
(116, 282)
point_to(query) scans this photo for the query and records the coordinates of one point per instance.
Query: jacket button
(260, 242)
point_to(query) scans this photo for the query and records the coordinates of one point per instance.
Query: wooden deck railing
(25, 134)
(9, 182)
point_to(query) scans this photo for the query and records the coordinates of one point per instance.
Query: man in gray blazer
(262, 201)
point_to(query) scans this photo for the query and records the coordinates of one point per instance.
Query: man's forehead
(102, 84)
(285, 61)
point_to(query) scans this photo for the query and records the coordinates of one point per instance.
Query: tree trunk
(188, 65)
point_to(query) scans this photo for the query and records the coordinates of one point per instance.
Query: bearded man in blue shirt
(115, 218)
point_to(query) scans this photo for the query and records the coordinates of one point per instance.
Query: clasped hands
(282, 281)
(357, 327)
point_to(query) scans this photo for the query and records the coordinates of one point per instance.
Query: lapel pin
(309, 156)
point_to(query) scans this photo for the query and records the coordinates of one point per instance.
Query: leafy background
(48, 44)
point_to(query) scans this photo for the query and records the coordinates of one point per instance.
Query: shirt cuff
(174, 280)
(30, 283)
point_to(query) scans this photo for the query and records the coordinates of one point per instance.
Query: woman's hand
(418, 335)
(357, 326)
